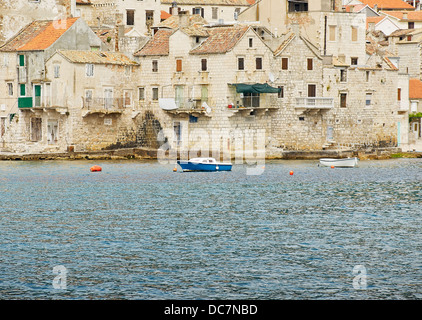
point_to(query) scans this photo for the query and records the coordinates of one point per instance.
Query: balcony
(25, 102)
(314, 104)
(254, 104)
(104, 106)
(194, 107)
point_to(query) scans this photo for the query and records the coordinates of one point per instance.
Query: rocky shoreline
(151, 154)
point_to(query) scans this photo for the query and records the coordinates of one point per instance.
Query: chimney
(183, 19)
(174, 10)
(375, 7)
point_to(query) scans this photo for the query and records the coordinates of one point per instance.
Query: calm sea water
(138, 230)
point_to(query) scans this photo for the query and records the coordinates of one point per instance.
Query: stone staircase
(328, 145)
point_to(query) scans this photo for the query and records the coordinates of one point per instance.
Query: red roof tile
(415, 89)
(164, 15)
(411, 15)
(388, 4)
(38, 35)
(158, 45)
(221, 39)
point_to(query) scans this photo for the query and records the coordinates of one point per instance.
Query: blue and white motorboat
(204, 164)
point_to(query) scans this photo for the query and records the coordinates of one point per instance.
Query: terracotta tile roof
(194, 27)
(210, 2)
(221, 39)
(284, 44)
(83, 2)
(374, 20)
(390, 65)
(96, 57)
(415, 89)
(38, 35)
(164, 15)
(158, 45)
(388, 4)
(411, 15)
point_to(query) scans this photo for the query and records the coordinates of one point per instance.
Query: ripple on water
(138, 230)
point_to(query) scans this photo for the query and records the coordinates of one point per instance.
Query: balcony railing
(106, 104)
(314, 103)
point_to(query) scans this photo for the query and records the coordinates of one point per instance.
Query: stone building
(25, 85)
(308, 101)
(211, 10)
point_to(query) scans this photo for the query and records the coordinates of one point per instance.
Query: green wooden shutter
(21, 60)
(22, 90)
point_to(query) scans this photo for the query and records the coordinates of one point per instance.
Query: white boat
(339, 163)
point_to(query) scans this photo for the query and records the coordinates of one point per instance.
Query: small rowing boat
(339, 163)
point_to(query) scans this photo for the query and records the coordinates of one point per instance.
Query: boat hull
(211, 167)
(339, 163)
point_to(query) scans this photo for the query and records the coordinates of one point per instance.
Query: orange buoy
(95, 168)
(291, 173)
(174, 169)
(332, 167)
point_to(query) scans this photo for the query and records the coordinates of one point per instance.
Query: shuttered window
(178, 65)
(310, 64)
(203, 64)
(284, 63)
(258, 62)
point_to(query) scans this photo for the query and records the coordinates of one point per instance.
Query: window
(127, 98)
(240, 63)
(149, 18)
(343, 100)
(47, 94)
(251, 100)
(22, 91)
(88, 97)
(214, 13)
(89, 67)
(199, 11)
(368, 99)
(343, 75)
(177, 129)
(10, 89)
(258, 63)
(250, 43)
(52, 131)
(310, 64)
(354, 34)
(178, 65)
(37, 95)
(56, 71)
(353, 61)
(154, 65)
(284, 63)
(2, 126)
(193, 119)
(311, 90)
(203, 64)
(367, 76)
(332, 34)
(281, 92)
(155, 93)
(36, 129)
(399, 94)
(21, 60)
(108, 98)
(130, 17)
(141, 93)
(410, 25)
